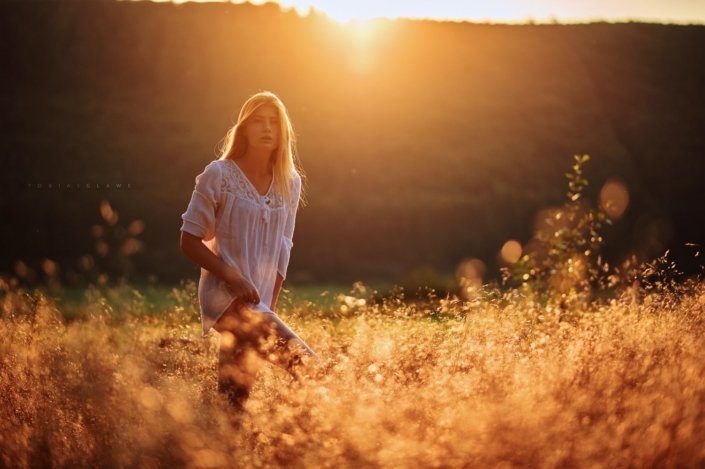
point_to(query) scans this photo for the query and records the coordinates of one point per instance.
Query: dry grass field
(495, 380)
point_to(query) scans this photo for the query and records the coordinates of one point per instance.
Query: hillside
(423, 142)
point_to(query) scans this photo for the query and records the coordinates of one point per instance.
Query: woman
(238, 228)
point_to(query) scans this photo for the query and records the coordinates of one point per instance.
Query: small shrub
(565, 263)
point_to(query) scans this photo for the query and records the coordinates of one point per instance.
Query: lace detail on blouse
(235, 182)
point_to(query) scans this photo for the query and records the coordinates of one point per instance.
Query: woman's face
(262, 129)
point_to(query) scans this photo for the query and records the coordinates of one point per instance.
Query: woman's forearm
(194, 249)
(277, 288)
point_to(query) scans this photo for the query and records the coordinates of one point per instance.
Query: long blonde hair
(284, 157)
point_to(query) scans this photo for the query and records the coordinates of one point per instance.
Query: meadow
(498, 378)
(433, 146)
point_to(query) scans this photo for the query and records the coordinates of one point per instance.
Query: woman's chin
(263, 146)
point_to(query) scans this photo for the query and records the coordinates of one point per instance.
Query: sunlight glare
(49, 267)
(469, 275)
(179, 410)
(21, 269)
(362, 36)
(614, 198)
(151, 398)
(511, 251)
(109, 214)
(227, 340)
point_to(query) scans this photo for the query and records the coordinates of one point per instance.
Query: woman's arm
(287, 241)
(193, 247)
(277, 289)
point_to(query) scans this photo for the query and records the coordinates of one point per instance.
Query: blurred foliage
(566, 261)
(565, 266)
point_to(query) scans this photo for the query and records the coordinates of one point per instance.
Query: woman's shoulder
(213, 168)
(295, 178)
(217, 165)
(211, 174)
(294, 183)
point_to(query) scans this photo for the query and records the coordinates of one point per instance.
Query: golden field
(498, 379)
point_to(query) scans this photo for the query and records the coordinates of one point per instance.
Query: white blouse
(248, 231)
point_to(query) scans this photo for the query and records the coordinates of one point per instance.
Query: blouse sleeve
(199, 217)
(287, 237)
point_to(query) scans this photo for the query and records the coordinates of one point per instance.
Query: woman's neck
(257, 162)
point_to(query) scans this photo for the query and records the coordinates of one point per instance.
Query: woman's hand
(195, 250)
(240, 287)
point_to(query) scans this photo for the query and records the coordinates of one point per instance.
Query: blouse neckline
(271, 184)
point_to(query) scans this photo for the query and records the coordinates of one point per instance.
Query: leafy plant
(564, 262)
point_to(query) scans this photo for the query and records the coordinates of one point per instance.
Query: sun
(362, 23)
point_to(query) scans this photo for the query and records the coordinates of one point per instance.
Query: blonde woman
(238, 228)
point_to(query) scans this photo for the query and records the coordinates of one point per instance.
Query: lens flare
(49, 267)
(179, 410)
(511, 251)
(86, 262)
(469, 275)
(614, 198)
(98, 231)
(21, 269)
(362, 36)
(108, 213)
(151, 398)
(548, 219)
(227, 340)
(131, 246)
(135, 227)
(102, 248)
